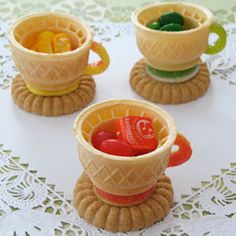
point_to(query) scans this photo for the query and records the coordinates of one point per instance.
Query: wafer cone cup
(124, 175)
(50, 71)
(173, 51)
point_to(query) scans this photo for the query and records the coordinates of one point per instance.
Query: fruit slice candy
(138, 133)
(124, 200)
(61, 43)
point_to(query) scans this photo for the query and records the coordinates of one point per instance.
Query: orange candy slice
(44, 46)
(61, 43)
(45, 35)
(44, 42)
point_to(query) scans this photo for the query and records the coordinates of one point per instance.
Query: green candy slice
(172, 76)
(172, 27)
(171, 17)
(155, 25)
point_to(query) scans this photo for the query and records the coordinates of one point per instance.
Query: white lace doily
(30, 206)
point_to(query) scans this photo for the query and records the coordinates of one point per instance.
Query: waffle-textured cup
(124, 175)
(50, 71)
(173, 51)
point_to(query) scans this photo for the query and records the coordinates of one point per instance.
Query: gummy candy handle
(100, 66)
(220, 42)
(183, 153)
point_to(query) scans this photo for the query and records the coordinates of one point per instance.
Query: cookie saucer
(122, 218)
(169, 92)
(53, 105)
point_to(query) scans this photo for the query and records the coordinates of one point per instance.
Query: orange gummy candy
(44, 46)
(45, 35)
(61, 43)
(44, 42)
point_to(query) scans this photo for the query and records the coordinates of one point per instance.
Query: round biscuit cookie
(118, 218)
(53, 105)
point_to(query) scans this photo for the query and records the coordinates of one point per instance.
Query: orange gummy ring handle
(101, 65)
(183, 154)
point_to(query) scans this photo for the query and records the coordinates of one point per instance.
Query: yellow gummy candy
(44, 46)
(61, 43)
(100, 66)
(45, 35)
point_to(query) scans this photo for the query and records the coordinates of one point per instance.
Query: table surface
(49, 145)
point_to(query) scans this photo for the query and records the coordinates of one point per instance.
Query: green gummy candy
(171, 17)
(172, 27)
(154, 25)
(220, 42)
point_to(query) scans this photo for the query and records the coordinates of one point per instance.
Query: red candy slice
(116, 147)
(138, 133)
(100, 136)
(125, 200)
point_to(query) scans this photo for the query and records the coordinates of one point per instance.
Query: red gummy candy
(100, 136)
(116, 147)
(183, 154)
(138, 133)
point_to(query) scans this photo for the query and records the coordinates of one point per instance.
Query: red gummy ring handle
(183, 154)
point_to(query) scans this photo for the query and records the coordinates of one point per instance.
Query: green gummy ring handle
(220, 42)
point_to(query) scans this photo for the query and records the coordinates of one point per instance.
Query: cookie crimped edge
(122, 219)
(53, 105)
(168, 93)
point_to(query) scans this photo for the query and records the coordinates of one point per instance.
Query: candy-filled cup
(125, 176)
(58, 71)
(176, 51)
